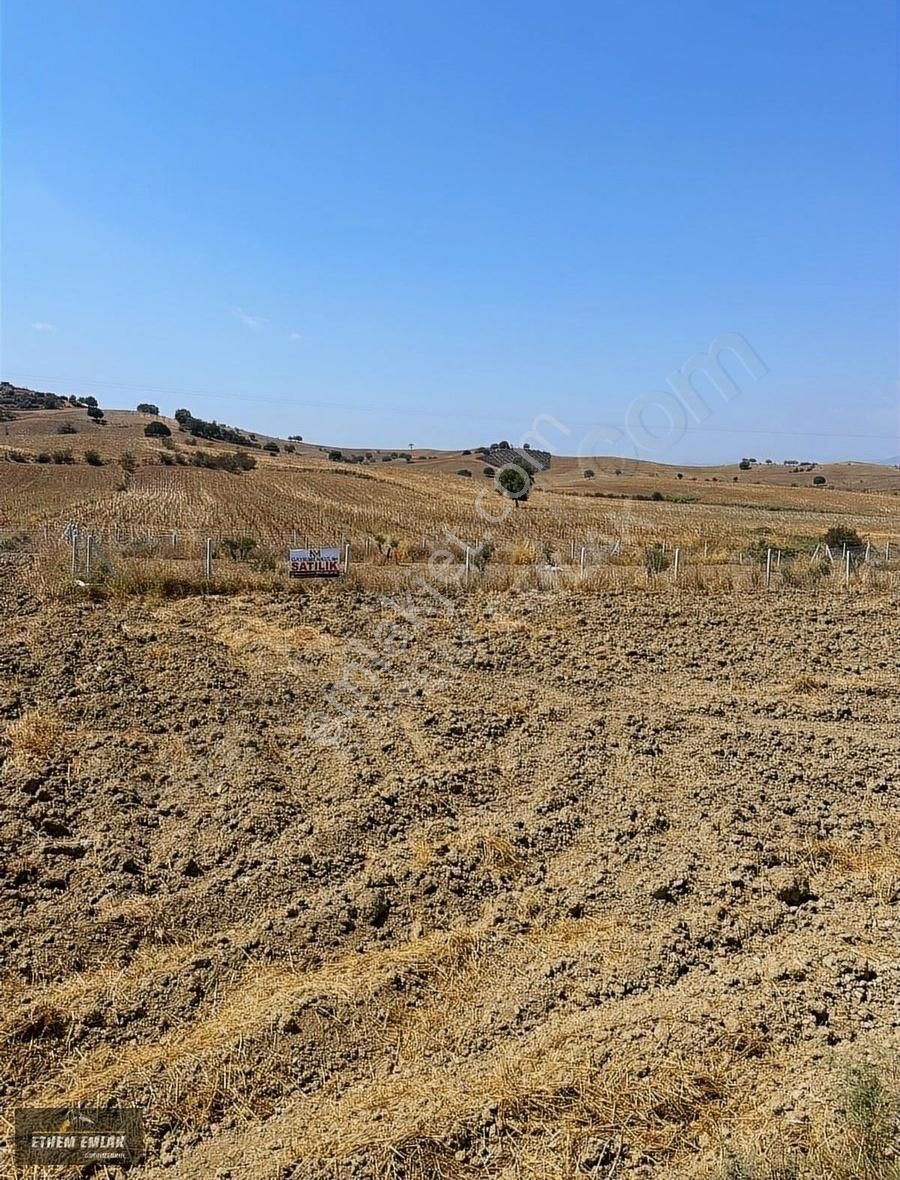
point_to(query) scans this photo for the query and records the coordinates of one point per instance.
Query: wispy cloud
(253, 322)
(295, 336)
(43, 326)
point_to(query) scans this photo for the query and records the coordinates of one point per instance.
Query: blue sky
(382, 223)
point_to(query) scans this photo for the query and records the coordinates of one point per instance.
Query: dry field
(515, 886)
(305, 495)
(550, 879)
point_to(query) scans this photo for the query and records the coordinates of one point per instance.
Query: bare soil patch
(584, 886)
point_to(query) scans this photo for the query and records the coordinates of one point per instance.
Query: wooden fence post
(209, 558)
(676, 564)
(768, 568)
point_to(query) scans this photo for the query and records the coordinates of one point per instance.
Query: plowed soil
(534, 885)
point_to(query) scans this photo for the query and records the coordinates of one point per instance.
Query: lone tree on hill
(157, 430)
(148, 408)
(515, 482)
(95, 412)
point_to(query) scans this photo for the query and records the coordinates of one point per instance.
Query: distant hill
(502, 454)
(16, 397)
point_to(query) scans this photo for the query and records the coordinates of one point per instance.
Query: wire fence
(135, 556)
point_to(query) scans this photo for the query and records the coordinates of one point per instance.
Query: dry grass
(34, 737)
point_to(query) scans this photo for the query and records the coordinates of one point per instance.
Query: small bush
(62, 457)
(157, 430)
(818, 481)
(842, 534)
(43, 457)
(93, 458)
(655, 559)
(148, 408)
(464, 471)
(239, 548)
(589, 474)
(489, 472)
(95, 413)
(481, 555)
(272, 447)
(66, 428)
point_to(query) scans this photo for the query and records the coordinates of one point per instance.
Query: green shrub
(482, 554)
(842, 534)
(655, 559)
(93, 458)
(239, 548)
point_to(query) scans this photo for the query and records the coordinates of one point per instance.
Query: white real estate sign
(315, 563)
